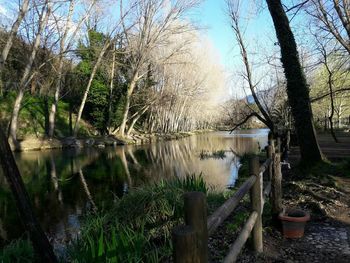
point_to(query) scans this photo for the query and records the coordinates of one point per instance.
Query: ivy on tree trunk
(297, 88)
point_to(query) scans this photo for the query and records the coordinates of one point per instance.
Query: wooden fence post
(184, 245)
(256, 194)
(276, 186)
(196, 217)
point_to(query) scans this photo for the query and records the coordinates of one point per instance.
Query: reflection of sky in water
(63, 185)
(234, 168)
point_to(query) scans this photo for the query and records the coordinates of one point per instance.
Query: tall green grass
(20, 251)
(138, 227)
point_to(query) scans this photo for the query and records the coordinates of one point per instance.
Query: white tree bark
(13, 32)
(88, 86)
(43, 19)
(63, 48)
(53, 110)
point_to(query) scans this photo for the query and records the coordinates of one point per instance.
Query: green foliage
(20, 251)
(97, 105)
(138, 227)
(238, 219)
(191, 182)
(116, 243)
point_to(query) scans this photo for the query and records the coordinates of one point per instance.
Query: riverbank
(33, 143)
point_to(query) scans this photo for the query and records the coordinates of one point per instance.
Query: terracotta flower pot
(293, 222)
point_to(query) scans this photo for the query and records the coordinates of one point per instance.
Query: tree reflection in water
(63, 185)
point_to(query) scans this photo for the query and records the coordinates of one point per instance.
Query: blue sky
(212, 15)
(259, 35)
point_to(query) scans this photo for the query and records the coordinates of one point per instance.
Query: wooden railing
(190, 241)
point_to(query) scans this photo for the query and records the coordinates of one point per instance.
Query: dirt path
(330, 149)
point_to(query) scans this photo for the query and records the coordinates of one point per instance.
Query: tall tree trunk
(248, 72)
(129, 92)
(23, 10)
(40, 242)
(70, 118)
(54, 105)
(330, 117)
(135, 119)
(111, 84)
(297, 88)
(44, 15)
(87, 89)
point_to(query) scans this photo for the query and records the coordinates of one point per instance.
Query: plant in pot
(293, 222)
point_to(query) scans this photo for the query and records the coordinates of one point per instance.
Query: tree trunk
(330, 85)
(70, 118)
(249, 75)
(297, 88)
(127, 105)
(109, 128)
(23, 10)
(82, 105)
(40, 242)
(135, 119)
(54, 105)
(24, 80)
(14, 117)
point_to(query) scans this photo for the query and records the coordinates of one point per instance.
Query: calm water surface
(65, 184)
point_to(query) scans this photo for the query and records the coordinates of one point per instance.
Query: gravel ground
(327, 234)
(327, 241)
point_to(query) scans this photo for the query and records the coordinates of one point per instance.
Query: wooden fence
(190, 241)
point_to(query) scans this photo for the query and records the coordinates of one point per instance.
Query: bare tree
(43, 17)
(333, 17)
(111, 87)
(154, 22)
(64, 37)
(233, 10)
(13, 32)
(325, 61)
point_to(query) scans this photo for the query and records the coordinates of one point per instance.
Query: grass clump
(238, 220)
(138, 227)
(20, 251)
(220, 154)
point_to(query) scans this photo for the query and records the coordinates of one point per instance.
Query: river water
(65, 184)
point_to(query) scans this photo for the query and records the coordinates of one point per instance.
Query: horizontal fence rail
(219, 216)
(190, 242)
